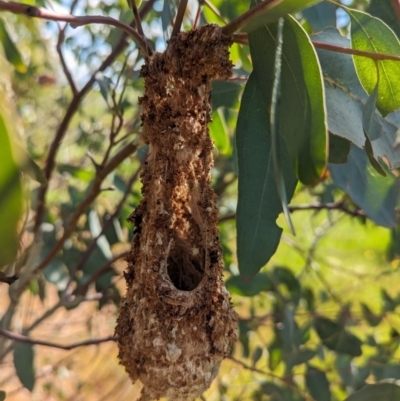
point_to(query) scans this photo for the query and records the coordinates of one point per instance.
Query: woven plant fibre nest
(176, 322)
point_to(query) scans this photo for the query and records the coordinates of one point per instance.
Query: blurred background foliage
(317, 323)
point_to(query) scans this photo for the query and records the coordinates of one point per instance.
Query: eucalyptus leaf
(317, 384)
(320, 16)
(11, 51)
(260, 282)
(373, 35)
(379, 391)
(258, 201)
(24, 364)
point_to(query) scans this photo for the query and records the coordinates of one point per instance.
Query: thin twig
(75, 21)
(314, 206)
(179, 17)
(72, 108)
(137, 18)
(28, 340)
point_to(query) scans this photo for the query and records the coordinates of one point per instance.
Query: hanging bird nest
(176, 323)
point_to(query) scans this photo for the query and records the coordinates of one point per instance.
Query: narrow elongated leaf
(371, 34)
(258, 204)
(346, 99)
(379, 391)
(301, 92)
(372, 128)
(167, 16)
(10, 50)
(376, 196)
(224, 94)
(339, 149)
(218, 132)
(2, 395)
(277, 10)
(10, 185)
(24, 364)
(318, 384)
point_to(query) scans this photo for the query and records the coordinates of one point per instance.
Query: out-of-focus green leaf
(384, 10)
(389, 304)
(300, 356)
(225, 93)
(336, 338)
(376, 196)
(24, 364)
(275, 11)
(82, 174)
(218, 132)
(345, 100)
(379, 391)
(373, 35)
(275, 352)
(244, 328)
(260, 282)
(257, 354)
(339, 149)
(2, 395)
(369, 316)
(301, 93)
(167, 17)
(10, 50)
(283, 275)
(317, 384)
(320, 16)
(10, 193)
(258, 204)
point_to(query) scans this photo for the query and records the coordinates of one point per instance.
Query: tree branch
(243, 39)
(75, 21)
(314, 206)
(27, 340)
(179, 17)
(72, 108)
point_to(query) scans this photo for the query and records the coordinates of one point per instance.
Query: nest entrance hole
(185, 271)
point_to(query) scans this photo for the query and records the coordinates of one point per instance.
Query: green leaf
(371, 126)
(24, 356)
(225, 93)
(317, 384)
(10, 50)
(10, 196)
(218, 132)
(95, 229)
(369, 316)
(384, 10)
(335, 337)
(339, 149)
(257, 354)
(320, 16)
(249, 288)
(373, 35)
(167, 17)
(275, 351)
(283, 275)
(346, 99)
(244, 328)
(379, 391)
(299, 357)
(275, 11)
(258, 201)
(3, 395)
(376, 196)
(301, 92)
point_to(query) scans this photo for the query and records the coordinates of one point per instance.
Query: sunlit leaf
(24, 357)
(346, 99)
(218, 132)
(10, 50)
(373, 35)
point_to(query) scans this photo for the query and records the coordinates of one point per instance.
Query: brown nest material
(176, 323)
